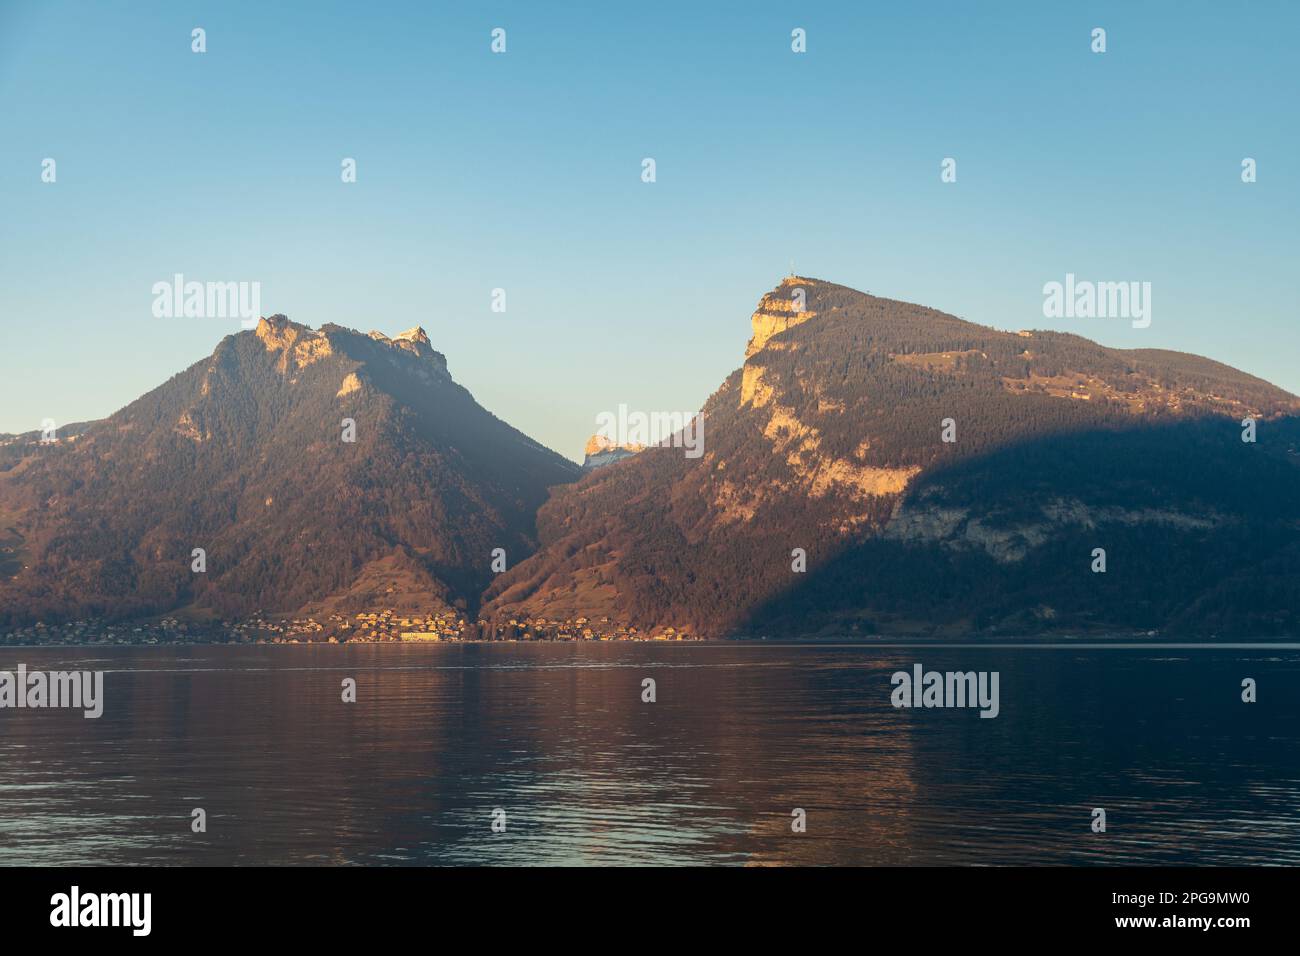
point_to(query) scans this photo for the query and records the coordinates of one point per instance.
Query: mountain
(830, 439)
(244, 455)
(601, 451)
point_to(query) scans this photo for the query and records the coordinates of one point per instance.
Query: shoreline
(1045, 642)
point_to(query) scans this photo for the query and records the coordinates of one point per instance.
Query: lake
(557, 736)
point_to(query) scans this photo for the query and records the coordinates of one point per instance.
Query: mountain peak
(838, 441)
(598, 443)
(602, 450)
(276, 326)
(782, 308)
(298, 345)
(416, 334)
(245, 452)
(301, 345)
(414, 340)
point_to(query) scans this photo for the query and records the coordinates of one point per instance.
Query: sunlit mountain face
(873, 467)
(878, 467)
(311, 468)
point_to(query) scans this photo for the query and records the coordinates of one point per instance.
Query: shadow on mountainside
(1201, 533)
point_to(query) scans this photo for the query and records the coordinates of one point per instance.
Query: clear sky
(522, 171)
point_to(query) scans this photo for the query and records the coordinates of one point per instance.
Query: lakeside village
(373, 627)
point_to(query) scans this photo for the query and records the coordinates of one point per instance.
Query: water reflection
(558, 737)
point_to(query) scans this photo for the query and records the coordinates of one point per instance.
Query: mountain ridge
(297, 458)
(830, 497)
(829, 438)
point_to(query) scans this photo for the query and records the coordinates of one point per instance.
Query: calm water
(558, 737)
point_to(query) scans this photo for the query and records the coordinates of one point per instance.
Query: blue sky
(522, 171)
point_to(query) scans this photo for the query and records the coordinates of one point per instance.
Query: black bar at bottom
(332, 906)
